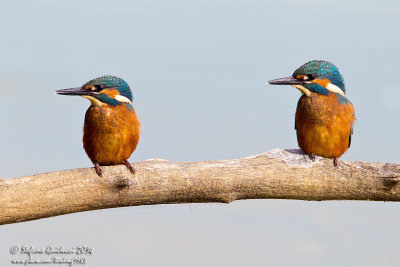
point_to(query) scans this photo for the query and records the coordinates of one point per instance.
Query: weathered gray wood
(281, 174)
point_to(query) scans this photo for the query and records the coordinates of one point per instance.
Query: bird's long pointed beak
(73, 91)
(287, 80)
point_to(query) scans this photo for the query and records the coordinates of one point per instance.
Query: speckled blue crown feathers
(110, 81)
(323, 69)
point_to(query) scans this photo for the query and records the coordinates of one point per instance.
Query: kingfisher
(111, 129)
(324, 116)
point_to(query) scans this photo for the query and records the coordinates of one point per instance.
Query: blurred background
(198, 72)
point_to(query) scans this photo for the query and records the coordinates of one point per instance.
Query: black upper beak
(287, 80)
(73, 91)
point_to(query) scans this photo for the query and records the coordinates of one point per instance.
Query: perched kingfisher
(111, 130)
(324, 116)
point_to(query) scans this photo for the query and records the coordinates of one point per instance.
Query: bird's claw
(129, 166)
(99, 171)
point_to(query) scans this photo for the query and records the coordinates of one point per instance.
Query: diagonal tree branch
(281, 174)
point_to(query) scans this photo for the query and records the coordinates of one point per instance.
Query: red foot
(335, 161)
(129, 166)
(312, 156)
(98, 169)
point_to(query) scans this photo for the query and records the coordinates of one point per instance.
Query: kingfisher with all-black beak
(111, 130)
(324, 116)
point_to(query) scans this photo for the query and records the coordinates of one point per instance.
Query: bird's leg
(312, 156)
(129, 166)
(335, 161)
(98, 169)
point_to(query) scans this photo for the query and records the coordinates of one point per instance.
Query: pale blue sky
(198, 72)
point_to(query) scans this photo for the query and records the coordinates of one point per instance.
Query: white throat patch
(302, 89)
(93, 101)
(331, 87)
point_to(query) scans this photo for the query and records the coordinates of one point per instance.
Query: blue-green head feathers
(109, 82)
(320, 69)
(316, 76)
(106, 89)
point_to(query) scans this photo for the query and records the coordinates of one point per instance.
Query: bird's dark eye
(99, 87)
(310, 77)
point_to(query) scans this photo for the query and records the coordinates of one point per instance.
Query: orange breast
(110, 133)
(324, 125)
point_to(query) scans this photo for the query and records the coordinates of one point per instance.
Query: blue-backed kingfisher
(324, 116)
(111, 129)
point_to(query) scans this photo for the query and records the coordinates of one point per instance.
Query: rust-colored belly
(110, 134)
(324, 125)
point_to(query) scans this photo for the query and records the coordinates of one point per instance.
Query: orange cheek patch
(89, 88)
(299, 77)
(322, 82)
(110, 92)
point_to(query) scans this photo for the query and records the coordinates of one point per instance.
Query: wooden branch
(281, 174)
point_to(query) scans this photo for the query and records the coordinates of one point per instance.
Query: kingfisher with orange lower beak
(324, 116)
(111, 129)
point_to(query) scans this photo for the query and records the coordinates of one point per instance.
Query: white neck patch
(122, 98)
(334, 89)
(95, 102)
(331, 87)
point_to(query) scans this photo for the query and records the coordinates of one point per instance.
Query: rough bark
(279, 174)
